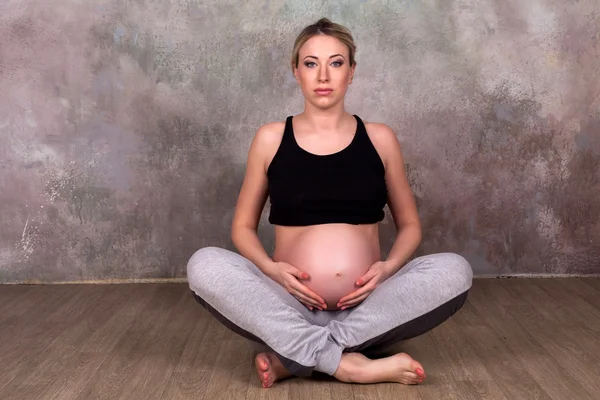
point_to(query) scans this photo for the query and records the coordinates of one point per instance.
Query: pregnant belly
(334, 256)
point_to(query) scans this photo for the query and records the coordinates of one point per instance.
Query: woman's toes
(409, 378)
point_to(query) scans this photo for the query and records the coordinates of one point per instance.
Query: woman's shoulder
(267, 140)
(270, 133)
(380, 133)
(271, 128)
(385, 141)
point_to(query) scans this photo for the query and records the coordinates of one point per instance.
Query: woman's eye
(311, 64)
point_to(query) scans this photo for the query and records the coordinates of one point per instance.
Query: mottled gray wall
(125, 126)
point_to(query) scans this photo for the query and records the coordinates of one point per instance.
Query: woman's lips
(323, 92)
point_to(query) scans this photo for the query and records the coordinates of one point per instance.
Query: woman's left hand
(376, 274)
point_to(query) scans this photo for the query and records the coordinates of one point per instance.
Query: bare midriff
(334, 255)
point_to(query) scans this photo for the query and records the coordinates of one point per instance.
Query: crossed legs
(419, 297)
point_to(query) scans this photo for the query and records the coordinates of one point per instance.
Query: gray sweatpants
(420, 296)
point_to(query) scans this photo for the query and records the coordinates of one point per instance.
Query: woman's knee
(452, 269)
(460, 269)
(203, 264)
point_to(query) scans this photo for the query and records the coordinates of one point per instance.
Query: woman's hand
(289, 277)
(376, 274)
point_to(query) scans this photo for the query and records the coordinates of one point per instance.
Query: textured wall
(125, 126)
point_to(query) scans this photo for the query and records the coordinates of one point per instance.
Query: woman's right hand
(289, 277)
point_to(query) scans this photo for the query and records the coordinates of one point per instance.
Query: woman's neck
(324, 120)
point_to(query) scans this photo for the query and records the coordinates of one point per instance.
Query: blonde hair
(324, 27)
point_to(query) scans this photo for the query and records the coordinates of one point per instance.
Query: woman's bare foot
(401, 368)
(269, 369)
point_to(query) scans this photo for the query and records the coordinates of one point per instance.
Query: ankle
(347, 370)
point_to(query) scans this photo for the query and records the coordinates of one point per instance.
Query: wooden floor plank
(341, 391)
(121, 365)
(513, 338)
(192, 373)
(469, 370)
(76, 314)
(459, 353)
(316, 389)
(586, 340)
(554, 313)
(529, 351)
(503, 365)
(278, 391)
(15, 391)
(10, 297)
(440, 382)
(468, 316)
(24, 343)
(162, 352)
(582, 287)
(86, 359)
(231, 371)
(577, 292)
(395, 391)
(571, 302)
(539, 319)
(32, 305)
(493, 290)
(578, 364)
(592, 281)
(106, 336)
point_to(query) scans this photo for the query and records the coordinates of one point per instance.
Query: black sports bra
(344, 187)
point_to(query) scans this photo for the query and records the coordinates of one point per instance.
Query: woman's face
(324, 70)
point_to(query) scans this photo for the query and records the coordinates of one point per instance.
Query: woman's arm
(400, 198)
(250, 204)
(253, 196)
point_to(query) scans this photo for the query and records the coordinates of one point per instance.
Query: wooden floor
(513, 339)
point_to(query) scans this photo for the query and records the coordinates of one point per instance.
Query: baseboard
(537, 276)
(184, 280)
(100, 282)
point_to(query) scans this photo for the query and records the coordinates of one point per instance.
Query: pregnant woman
(325, 300)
